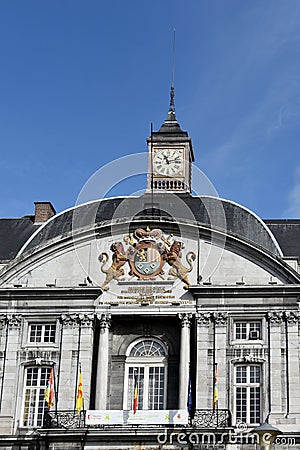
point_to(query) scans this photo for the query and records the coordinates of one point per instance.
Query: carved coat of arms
(146, 254)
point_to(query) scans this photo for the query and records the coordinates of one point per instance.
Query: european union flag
(190, 397)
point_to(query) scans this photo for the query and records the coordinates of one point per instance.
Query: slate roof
(13, 234)
(287, 234)
(209, 211)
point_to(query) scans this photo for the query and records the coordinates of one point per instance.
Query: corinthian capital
(14, 320)
(275, 317)
(185, 319)
(220, 318)
(104, 320)
(292, 316)
(203, 318)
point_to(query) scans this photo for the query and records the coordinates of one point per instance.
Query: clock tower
(170, 156)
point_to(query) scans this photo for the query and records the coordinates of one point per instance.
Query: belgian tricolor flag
(135, 392)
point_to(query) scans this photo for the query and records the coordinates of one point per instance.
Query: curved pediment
(83, 255)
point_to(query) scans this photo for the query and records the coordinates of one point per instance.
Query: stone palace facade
(158, 291)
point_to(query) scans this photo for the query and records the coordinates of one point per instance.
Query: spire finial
(172, 93)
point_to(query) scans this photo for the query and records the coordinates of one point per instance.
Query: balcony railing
(208, 418)
(64, 419)
(203, 418)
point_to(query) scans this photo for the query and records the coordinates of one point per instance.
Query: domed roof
(210, 212)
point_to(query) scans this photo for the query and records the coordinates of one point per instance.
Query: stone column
(203, 377)
(220, 319)
(102, 363)
(275, 319)
(292, 320)
(184, 364)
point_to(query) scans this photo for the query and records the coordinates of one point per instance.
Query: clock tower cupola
(170, 158)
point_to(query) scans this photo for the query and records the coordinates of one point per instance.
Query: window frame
(247, 385)
(146, 362)
(43, 321)
(247, 342)
(38, 396)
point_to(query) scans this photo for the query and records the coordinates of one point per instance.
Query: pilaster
(184, 363)
(102, 362)
(220, 321)
(203, 345)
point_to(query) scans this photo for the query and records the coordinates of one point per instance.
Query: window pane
(49, 335)
(36, 379)
(156, 387)
(241, 330)
(241, 404)
(139, 372)
(255, 405)
(147, 348)
(35, 333)
(254, 374)
(241, 374)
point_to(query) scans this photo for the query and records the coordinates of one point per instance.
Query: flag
(49, 391)
(79, 398)
(135, 393)
(216, 393)
(190, 396)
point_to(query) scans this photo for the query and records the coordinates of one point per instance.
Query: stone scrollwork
(275, 317)
(185, 319)
(104, 320)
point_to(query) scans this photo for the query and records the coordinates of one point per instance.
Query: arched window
(146, 364)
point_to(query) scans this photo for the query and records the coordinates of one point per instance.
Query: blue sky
(81, 81)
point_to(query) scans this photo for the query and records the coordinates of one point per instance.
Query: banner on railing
(141, 417)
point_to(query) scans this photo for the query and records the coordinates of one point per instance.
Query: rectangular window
(247, 330)
(36, 379)
(248, 394)
(42, 333)
(151, 387)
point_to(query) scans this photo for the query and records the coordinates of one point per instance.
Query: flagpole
(55, 391)
(77, 368)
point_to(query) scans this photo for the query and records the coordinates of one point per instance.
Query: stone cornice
(49, 293)
(287, 290)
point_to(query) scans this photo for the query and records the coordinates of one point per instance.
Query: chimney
(43, 211)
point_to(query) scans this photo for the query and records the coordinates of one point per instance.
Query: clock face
(168, 162)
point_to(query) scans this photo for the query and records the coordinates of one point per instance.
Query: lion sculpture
(178, 270)
(115, 271)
